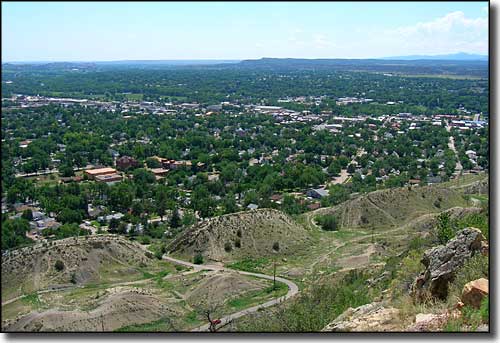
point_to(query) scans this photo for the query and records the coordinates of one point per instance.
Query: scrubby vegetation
(315, 307)
(327, 222)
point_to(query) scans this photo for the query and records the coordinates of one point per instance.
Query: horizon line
(241, 59)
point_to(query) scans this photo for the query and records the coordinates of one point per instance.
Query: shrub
(327, 222)
(145, 240)
(59, 265)
(158, 254)
(445, 230)
(198, 259)
(315, 307)
(276, 246)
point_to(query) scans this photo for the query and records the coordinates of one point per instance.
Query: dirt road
(293, 289)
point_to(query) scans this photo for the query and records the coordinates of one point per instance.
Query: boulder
(370, 317)
(474, 292)
(425, 322)
(442, 262)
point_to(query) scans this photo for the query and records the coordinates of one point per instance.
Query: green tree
(445, 230)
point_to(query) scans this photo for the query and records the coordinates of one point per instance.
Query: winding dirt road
(293, 289)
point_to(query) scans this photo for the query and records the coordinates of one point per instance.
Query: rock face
(442, 262)
(474, 292)
(369, 317)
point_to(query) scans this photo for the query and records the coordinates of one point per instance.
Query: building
(159, 172)
(317, 193)
(93, 173)
(314, 206)
(126, 162)
(252, 206)
(110, 179)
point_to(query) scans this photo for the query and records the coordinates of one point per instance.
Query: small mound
(217, 288)
(116, 311)
(68, 261)
(394, 207)
(241, 235)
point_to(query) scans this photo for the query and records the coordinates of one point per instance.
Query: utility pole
(274, 273)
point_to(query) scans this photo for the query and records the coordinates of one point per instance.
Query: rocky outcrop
(428, 322)
(474, 292)
(370, 317)
(478, 187)
(442, 262)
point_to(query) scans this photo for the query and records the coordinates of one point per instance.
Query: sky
(107, 31)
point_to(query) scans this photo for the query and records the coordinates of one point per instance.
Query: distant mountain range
(459, 56)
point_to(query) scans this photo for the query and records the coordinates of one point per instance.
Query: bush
(198, 259)
(59, 265)
(276, 246)
(327, 222)
(145, 240)
(158, 254)
(445, 230)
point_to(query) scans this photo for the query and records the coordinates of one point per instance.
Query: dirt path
(293, 289)
(69, 287)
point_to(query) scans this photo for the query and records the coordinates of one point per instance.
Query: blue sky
(93, 31)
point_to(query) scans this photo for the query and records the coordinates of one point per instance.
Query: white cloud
(447, 23)
(451, 33)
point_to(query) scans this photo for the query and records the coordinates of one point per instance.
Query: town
(364, 135)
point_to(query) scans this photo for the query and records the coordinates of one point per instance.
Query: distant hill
(477, 68)
(459, 56)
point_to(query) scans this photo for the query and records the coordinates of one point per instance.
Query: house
(213, 177)
(317, 193)
(107, 218)
(94, 211)
(252, 206)
(471, 154)
(126, 162)
(276, 198)
(159, 172)
(93, 173)
(109, 179)
(314, 206)
(434, 179)
(253, 162)
(24, 144)
(214, 108)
